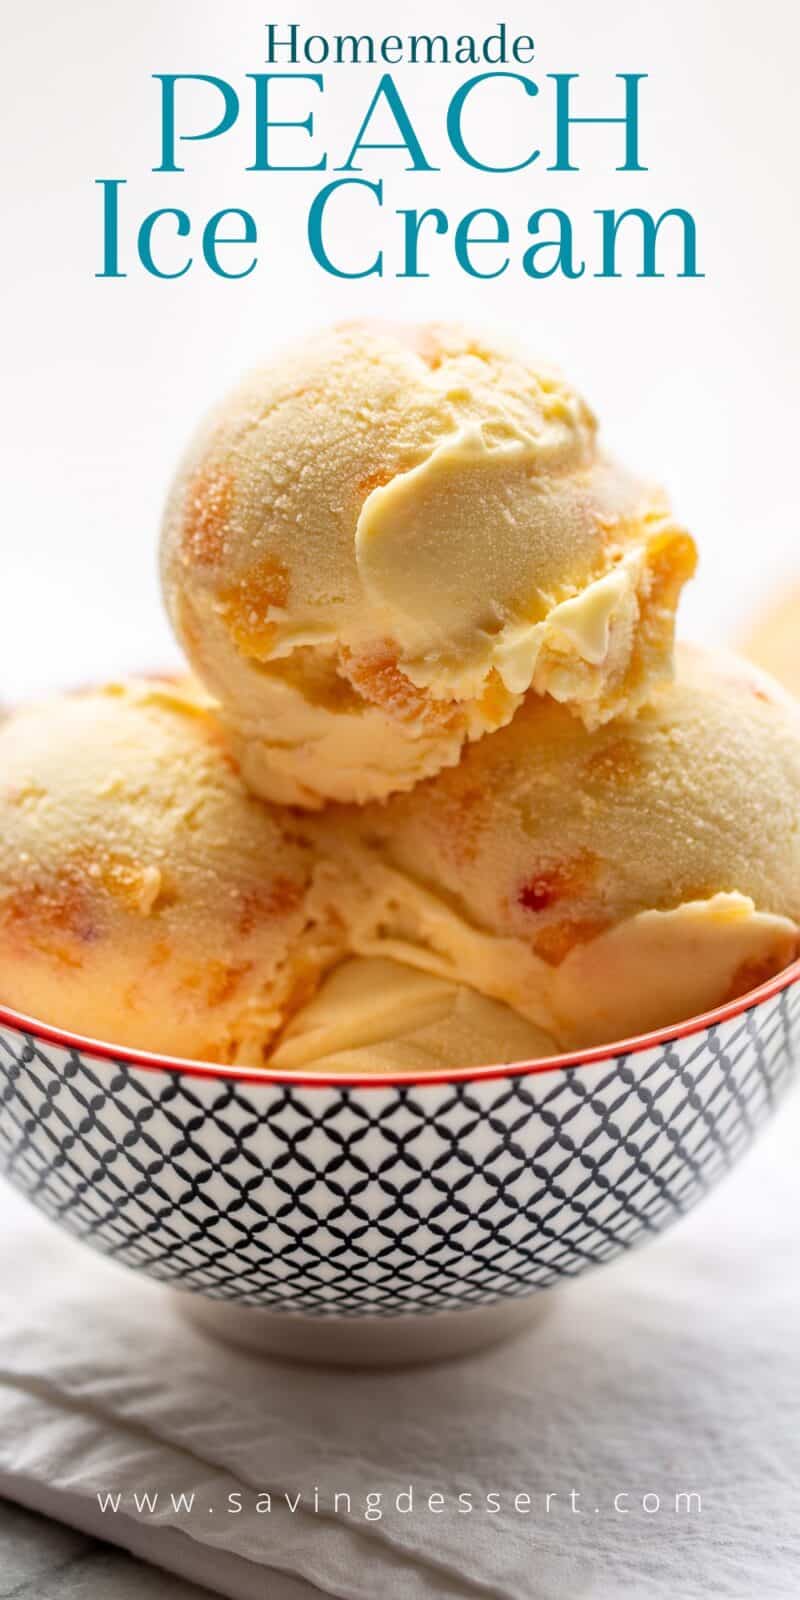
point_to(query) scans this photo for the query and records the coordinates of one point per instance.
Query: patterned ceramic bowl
(376, 1219)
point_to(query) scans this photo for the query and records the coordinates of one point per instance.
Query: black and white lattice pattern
(388, 1199)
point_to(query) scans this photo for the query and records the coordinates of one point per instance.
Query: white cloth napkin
(673, 1371)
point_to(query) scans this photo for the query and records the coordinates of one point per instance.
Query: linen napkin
(673, 1373)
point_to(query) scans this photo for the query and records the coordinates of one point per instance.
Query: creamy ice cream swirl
(383, 540)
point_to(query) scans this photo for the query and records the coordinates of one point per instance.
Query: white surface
(675, 1370)
(44, 1560)
(678, 1368)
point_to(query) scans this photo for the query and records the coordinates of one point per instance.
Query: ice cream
(601, 882)
(384, 538)
(374, 1015)
(146, 899)
(773, 640)
(439, 802)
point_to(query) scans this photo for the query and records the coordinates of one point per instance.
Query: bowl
(381, 1219)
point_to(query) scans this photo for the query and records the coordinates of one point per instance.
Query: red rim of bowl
(96, 1049)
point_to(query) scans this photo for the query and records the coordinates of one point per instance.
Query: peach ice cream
(600, 882)
(146, 899)
(374, 1015)
(386, 536)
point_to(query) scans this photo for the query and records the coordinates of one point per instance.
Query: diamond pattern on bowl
(389, 1198)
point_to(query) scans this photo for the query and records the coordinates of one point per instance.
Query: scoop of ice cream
(773, 639)
(386, 536)
(373, 1015)
(601, 883)
(146, 898)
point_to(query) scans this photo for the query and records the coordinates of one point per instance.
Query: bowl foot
(363, 1341)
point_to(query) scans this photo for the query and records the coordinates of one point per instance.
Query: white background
(695, 382)
(684, 1360)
